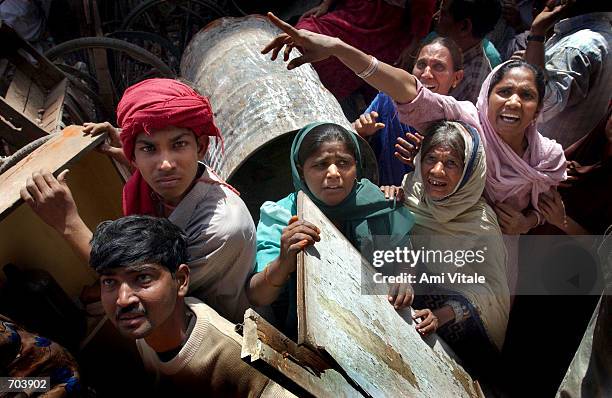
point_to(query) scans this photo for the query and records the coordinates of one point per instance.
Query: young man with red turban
(165, 128)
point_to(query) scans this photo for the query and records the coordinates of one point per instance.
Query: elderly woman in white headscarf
(444, 192)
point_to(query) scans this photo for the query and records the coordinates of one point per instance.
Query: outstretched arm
(397, 83)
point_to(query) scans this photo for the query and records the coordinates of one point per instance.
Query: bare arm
(265, 286)
(553, 211)
(397, 83)
(542, 23)
(51, 199)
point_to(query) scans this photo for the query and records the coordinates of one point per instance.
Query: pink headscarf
(518, 181)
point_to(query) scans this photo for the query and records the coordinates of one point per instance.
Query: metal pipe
(254, 99)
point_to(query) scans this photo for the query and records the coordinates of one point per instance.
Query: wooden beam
(29, 130)
(28, 59)
(12, 135)
(282, 367)
(283, 344)
(53, 156)
(54, 106)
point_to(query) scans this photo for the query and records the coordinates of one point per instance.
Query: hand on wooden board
(51, 199)
(428, 322)
(112, 146)
(400, 295)
(296, 236)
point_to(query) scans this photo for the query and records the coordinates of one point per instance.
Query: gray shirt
(579, 70)
(221, 245)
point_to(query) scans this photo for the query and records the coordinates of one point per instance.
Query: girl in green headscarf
(326, 165)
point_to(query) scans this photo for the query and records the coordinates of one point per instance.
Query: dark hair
(135, 240)
(484, 14)
(452, 47)
(519, 63)
(444, 133)
(327, 132)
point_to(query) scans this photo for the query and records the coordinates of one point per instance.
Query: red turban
(154, 104)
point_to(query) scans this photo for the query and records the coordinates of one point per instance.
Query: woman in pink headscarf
(521, 163)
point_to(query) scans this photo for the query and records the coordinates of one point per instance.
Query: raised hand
(367, 125)
(313, 46)
(406, 151)
(554, 11)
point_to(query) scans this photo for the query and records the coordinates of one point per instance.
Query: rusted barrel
(258, 105)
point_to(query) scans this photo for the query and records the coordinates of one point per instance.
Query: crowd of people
(470, 144)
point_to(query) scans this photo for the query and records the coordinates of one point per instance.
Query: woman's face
(435, 70)
(513, 103)
(441, 170)
(330, 172)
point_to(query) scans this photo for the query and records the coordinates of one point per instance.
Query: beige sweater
(209, 363)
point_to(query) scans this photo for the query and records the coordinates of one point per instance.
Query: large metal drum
(258, 105)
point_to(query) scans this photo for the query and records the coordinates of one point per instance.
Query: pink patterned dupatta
(510, 178)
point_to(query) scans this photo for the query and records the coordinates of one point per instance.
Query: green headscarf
(365, 211)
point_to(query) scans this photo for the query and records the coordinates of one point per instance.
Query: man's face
(142, 298)
(446, 26)
(435, 70)
(168, 161)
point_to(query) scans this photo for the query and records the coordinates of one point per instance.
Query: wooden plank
(376, 345)
(29, 130)
(34, 107)
(53, 156)
(28, 59)
(54, 106)
(12, 134)
(282, 368)
(17, 93)
(283, 344)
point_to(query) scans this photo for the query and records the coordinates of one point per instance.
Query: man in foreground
(144, 280)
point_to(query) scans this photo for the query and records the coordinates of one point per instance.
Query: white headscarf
(465, 215)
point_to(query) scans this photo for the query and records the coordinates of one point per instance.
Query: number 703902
(24, 384)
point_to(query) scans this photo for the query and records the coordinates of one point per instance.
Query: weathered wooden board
(294, 367)
(377, 346)
(54, 154)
